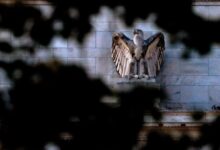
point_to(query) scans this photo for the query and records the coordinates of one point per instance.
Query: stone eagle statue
(138, 58)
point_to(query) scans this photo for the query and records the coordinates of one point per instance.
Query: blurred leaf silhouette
(199, 34)
(50, 101)
(60, 104)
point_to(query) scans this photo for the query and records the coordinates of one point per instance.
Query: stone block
(202, 11)
(102, 52)
(105, 66)
(173, 93)
(194, 94)
(170, 80)
(82, 53)
(178, 53)
(213, 12)
(95, 52)
(58, 42)
(214, 94)
(207, 80)
(194, 66)
(123, 84)
(103, 39)
(203, 106)
(65, 52)
(171, 67)
(89, 42)
(104, 26)
(173, 53)
(190, 80)
(214, 53)
(214, 67)
(176, 106)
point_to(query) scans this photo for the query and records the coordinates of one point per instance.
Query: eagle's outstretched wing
(122, 49)
(154, 51)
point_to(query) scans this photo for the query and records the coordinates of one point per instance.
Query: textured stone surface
(215, 53)
(190, 80)
(214, 68)
(191, 84)
(129, 84)
(202, 11)
(89, 42)
(173, 93)
(214, 12)
(58, 42)
(105, 26)
(173, 53)
(214, 94)
(105, 66)
(171, 66)
(194, 94)
(194, 67)
(103, 39)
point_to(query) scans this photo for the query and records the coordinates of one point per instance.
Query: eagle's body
(139, 43)
(137, 58)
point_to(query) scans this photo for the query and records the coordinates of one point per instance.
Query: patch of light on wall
(105, 15)
(214, 12)
(202, 11)
(51, 146)
(208, 12)
(5, 36)
(46, 10)
(58, 41)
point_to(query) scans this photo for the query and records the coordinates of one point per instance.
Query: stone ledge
(126, 83)
(207, 3)
(180, 119)
(117, 81)
(135, 82)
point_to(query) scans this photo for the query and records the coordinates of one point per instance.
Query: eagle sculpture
(138, 58)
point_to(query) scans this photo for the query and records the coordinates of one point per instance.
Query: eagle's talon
(143, 76)
(136, 76)
(129, 77)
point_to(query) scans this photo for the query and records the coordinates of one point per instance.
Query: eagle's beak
(135, 31)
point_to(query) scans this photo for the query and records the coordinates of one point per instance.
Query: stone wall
(191, 84)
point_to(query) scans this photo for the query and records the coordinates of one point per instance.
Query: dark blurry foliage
(174, 17)
(55, 103)
(48, 102)
(198, 115)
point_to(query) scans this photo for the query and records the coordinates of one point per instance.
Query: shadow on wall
(60, 106)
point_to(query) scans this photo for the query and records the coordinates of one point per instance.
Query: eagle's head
(138, 32)
(138, 38)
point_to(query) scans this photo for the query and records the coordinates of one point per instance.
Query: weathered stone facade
(191, 84)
